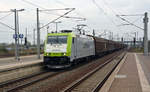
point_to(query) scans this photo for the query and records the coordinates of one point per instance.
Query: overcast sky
(100, 15)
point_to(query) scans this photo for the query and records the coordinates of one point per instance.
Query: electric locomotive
(63, 49)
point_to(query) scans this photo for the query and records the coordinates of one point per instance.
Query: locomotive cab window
(57, 40)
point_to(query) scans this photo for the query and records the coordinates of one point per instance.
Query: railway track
(76, 85)
(12, 72)
(20, 83)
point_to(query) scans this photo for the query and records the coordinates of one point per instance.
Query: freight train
(64, 49)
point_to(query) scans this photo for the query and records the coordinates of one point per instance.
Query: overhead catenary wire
(60, 2)
(64, 16)
(133, 15)
(79, 14)
(118, 16)
(36, 5)
(46, 11)
(68, 16)
(57, 18)
(113, 23)
(129, 22)
(113, 11)
(5, 11)
(101, 9)
(5, 16)
(137, 19)
(7, 25)
(125, 20)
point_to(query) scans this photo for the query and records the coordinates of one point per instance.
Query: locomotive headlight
(47, 54)
(64, 53)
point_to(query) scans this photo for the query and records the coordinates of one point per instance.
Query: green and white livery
(63, 49)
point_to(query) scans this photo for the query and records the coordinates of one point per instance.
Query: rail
(78, 82)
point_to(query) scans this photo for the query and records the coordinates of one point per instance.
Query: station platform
(131, 75)
(8, 63)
